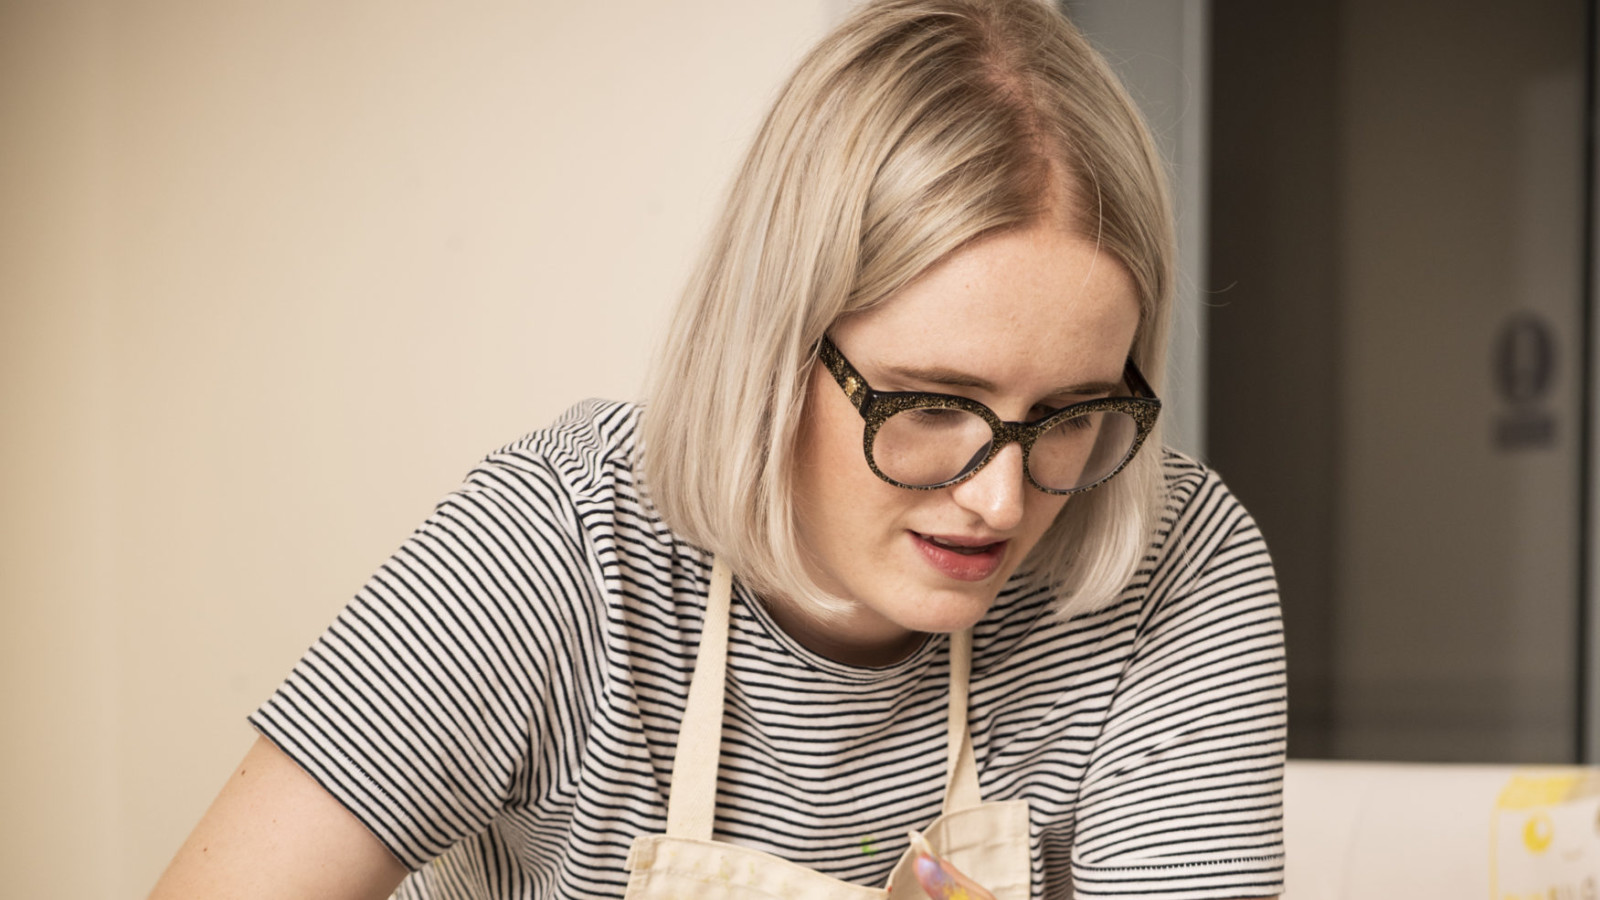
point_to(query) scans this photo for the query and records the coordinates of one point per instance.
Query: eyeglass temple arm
(1136, 381)
(849, 380)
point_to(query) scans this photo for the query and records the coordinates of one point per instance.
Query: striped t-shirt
(500, 703)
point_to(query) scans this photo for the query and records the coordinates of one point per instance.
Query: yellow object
(1544, 839)
(1538, 833)
(1529, 791)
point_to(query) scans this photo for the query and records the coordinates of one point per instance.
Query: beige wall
(274, 275)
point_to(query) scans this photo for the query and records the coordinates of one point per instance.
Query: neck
(841, 640)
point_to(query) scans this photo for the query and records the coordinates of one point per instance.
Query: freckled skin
(1025, 312)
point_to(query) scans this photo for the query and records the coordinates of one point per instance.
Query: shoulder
(581, 459)
(1197, 506)
(555, 497)
(586, 444)
(1205, 542)
(1189, 481)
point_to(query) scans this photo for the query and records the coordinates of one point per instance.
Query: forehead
(1030, 305)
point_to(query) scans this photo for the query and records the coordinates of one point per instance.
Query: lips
(967, 548)
(964, 559)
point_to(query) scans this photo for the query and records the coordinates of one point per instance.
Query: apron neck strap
(961, 766)
(691, 802)
(692, 798)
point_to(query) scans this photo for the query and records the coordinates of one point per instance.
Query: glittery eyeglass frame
(877, 406)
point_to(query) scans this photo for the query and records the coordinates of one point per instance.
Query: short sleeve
(1183, 794)
(425, 706)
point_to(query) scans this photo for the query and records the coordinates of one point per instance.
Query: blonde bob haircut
(914, 128)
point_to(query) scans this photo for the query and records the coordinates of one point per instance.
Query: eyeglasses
(925, 441)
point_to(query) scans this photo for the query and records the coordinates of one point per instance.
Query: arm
(1183, 793)
(273, 832)
(426, 707)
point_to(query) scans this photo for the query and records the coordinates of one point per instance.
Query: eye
(936, 415)
(1057, 404)
(1078, 423)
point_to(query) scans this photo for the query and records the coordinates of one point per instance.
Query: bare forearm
(273, 833)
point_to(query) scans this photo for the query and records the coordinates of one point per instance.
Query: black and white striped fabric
(500, 703)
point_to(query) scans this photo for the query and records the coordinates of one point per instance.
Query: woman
(893, 545)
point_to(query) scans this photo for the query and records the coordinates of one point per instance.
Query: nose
(997, 493)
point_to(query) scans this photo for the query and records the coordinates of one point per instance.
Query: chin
(948, 611)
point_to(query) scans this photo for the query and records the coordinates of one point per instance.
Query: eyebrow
(956, 378)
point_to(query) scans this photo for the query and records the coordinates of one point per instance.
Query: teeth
(968, 549)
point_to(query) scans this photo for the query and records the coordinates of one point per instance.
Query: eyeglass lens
(930, 446)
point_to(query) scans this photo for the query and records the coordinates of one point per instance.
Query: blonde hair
(914, 128)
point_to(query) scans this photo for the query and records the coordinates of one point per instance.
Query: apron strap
(692, 798)
(961, 785)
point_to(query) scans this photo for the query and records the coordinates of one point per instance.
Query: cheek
(835, 491)
(1043, 514)
(827, 451)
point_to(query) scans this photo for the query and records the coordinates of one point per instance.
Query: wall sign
(1524, 372)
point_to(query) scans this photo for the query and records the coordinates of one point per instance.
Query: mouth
(960, 558)
(965, 548)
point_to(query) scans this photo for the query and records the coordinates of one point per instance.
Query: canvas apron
(989, 842)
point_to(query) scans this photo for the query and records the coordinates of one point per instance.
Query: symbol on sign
(1525, 359)
(1524, 372)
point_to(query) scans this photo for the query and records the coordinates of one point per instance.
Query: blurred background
(1399, 292)
(274, 276)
